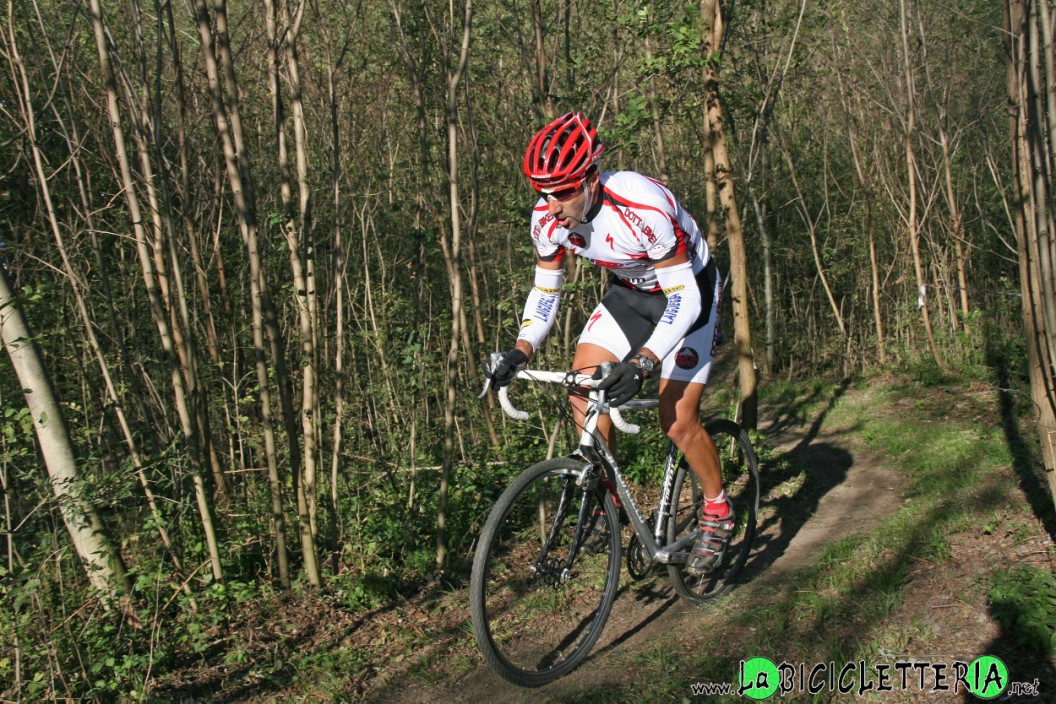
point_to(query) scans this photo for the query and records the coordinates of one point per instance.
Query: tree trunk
(654, 109)
(103, 563)
(296, 227)
(453, 257)
(43, 183)
(242, 192)
(748, 416)
(1033, 158)
(912, 226)
(157, 305)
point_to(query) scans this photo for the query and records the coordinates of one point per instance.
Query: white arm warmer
(683, 308)
(540, 310)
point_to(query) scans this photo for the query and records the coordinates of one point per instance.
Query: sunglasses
(564, 194)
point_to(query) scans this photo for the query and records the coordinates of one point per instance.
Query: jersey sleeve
(651, 213)
(543, 226)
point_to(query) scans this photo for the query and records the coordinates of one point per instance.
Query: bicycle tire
(740, 478)
(531, 625)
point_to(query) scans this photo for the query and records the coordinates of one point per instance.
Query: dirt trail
(843, 493)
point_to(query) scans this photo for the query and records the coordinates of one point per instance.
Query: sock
(717, 507)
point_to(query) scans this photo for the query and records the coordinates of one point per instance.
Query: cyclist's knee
(682, 430)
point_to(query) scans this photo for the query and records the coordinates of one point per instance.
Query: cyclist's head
(562, 155)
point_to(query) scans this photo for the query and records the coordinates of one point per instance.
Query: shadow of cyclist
(822, 468)
(795, 482)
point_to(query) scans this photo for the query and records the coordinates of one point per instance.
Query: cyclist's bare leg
(680, 419)
(587, 357)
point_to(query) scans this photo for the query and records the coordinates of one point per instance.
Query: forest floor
(826, 483)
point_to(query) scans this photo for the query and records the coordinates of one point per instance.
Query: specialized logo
(593, 319)
(537, 231)
(576, 240)
(611, 242)
(686, 358)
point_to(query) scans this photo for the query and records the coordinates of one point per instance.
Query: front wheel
(545, 573)
(740, 479)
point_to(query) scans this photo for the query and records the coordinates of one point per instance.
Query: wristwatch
(645, 363)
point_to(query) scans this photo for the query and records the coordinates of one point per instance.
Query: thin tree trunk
(340, 266)
(245, 206)
(811, 226)
(76, 287)
(911, 180)
(296, 228)
(453, 253)
(183, 401)
(544, 102)
(712, 17)
(1033, 171)
(768, 281)
(654, 108)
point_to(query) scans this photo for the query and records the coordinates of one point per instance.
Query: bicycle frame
(596, 453)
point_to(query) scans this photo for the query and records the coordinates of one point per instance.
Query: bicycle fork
(588, 482)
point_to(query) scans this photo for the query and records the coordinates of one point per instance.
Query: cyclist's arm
(540, 310)
(675, 276)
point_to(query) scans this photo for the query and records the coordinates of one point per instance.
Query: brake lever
(493, 359)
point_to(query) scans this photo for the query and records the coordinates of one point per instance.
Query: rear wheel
(740, 478)
(536, 614)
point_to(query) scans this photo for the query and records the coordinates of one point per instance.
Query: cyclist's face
(569, 205)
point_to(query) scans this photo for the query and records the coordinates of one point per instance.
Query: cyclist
(660, 313)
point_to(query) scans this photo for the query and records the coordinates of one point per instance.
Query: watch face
(644, 363)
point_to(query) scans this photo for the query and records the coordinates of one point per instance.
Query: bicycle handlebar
(567, 379)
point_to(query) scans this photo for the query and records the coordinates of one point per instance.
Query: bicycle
(546, 568)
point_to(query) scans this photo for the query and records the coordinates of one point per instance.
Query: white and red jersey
(640, 221)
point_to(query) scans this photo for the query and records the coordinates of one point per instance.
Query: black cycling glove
(503, 371)
(622, 383)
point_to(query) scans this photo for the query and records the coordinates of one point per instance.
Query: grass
(1024, 600)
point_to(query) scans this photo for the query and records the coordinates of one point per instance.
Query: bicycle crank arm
(667, 555)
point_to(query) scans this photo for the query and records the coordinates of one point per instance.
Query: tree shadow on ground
(270, 658)
(791, 412)
(1024, 460)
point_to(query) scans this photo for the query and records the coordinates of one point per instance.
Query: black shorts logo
(686, 358)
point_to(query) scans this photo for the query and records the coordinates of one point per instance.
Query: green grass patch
(1023, 599)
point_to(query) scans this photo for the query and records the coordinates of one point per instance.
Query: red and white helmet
(560, 155)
